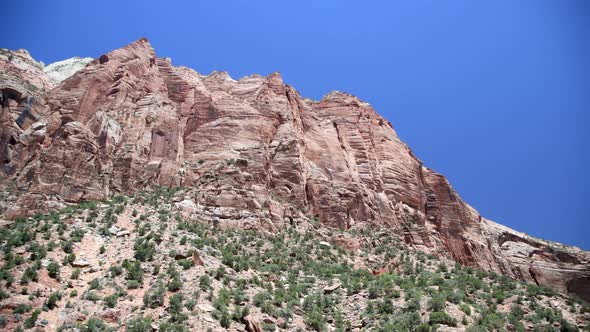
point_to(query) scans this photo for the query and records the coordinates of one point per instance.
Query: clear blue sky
(493, 94)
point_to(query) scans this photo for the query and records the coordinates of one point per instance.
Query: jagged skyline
(494, 99)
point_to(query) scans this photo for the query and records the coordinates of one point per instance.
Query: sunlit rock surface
(257, 154)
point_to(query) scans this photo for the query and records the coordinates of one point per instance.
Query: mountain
(249, 153)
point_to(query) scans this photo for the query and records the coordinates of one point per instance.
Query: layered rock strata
(256, 153)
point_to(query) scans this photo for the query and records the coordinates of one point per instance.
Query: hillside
(112, 166)
(140, 263)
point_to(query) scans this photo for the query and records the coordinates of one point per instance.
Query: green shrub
(156, 270)
(225, 319)
(261, 298)
(95, 325)
(172, 327)
(52, 300)
(175, 283)
(442, 318)
(94, 284)
(154, 297)
(111, 300)
(190, 304)
(92, 296)
(29, 275)
(140, 324)
(269, 327)
(53, 270)
(30, 322)
(21, 309)
(315, 319)
(185, 263)
(116, 270)
(144, 249)
(413, 305)
(134, 271)
(133, 284)
(175, 308)
(240, 313)
(67, 247)
(537, 290)
(69, 259)
(438, 302)
(465, 308)
(204, 282)
(423, 327)
(490, 320)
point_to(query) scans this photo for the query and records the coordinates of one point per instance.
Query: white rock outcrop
(59, 71)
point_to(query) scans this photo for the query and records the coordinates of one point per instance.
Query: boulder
(80, 263)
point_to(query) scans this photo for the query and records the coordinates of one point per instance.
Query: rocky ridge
(256, 153)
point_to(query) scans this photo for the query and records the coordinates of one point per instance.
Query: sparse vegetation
(287, 274)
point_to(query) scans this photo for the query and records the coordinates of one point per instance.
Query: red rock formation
(257, 153)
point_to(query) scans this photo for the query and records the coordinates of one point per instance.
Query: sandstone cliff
(255, 152)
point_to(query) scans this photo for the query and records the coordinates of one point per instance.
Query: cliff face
(255, 152)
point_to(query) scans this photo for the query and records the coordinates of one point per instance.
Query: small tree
(52, 300)
(53, 270)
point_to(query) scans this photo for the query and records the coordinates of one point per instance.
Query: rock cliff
(255, 153)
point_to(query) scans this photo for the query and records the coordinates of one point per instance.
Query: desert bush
(465, 308)
(111, 300)
(438, 317)
(29, 275)
(52, 300)
(92, 296)
(67, 247)
(204, 282)
(185, 263)
(268, 327)
(94, 284)
(30, 322)
(116, 270)
(175, 282)
(53, 270)
(537, 290)
(154, 297)
(438, 302)
(21, 309)
(94, 325)
(133, 284)
(175, 308)
(134, 271)
(140, 324)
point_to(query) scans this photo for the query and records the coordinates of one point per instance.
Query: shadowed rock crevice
(580, 287)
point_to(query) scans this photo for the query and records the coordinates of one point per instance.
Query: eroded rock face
(257, 154)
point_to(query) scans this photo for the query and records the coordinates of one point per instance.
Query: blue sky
(493, 94)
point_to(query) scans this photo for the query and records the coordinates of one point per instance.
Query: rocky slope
(143, 263)
(256, 153)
